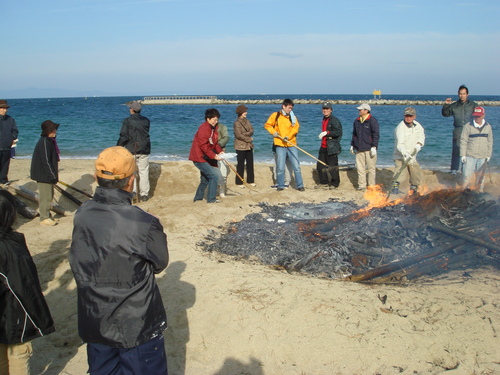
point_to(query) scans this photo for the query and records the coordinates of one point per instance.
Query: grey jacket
(115, 253)
(476, 142)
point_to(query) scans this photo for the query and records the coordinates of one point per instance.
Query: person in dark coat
(116, 250)
(330, 136)
(8, 139)
(24, 314)
(44, 169)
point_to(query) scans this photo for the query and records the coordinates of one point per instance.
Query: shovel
(329, 169)
(237, 174)
(396, 176)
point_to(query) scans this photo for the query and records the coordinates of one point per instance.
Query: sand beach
(230, 317)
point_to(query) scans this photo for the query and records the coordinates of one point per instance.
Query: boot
(395, 188)
(413, 189)
(222, 190)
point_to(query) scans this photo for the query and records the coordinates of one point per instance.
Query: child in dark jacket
(44, 169)
(24, 314)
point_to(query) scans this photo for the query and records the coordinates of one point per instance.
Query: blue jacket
(365, 135)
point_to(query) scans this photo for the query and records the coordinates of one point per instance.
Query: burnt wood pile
(421, 235)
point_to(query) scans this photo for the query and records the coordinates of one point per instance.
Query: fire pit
(385, 242)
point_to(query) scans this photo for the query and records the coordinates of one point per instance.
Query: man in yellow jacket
(284, 127)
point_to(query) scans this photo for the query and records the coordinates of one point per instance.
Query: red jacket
(205, 144)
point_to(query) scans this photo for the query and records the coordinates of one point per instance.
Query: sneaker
(454, 172)
(280, 189)
(301, 189)
(274, 186)
(48, 222)
(252, 184)
(222, 195)
(395, 190)
(360, 188)
(242, 186)
(321, 186)
(144, 198)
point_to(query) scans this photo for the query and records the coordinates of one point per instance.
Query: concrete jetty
(213, 100)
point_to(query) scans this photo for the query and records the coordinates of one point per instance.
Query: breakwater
(213, 100)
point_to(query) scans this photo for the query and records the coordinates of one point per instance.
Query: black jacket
(333, 136)
(8, 132)
(24, 314)
(462, 114)
(115, 253)
(134, 135)
(44, 162)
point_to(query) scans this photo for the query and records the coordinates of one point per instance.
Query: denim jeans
(148, 358)
(209, 176)
(471, 167)
(291, 152)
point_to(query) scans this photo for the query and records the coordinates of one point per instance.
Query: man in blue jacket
(8, 137)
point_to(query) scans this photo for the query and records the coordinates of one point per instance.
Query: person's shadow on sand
(178, 296)
(52, 353)
(233, 366)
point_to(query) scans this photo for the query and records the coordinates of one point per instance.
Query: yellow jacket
(284, 127)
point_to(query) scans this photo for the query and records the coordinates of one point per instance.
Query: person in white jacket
(409, 139)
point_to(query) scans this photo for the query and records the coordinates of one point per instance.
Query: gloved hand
(418, 147)
(352, 150)
(321, 135)
(406, 156)
(276, 135)
(464, 159)
(488, 160)
(373, 152)
(285, 139)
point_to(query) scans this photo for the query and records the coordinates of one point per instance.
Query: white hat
(365, 106)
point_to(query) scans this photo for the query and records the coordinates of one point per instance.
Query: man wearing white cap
(476, 147)
(364, 144)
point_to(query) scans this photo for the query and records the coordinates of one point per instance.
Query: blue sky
(162, 47)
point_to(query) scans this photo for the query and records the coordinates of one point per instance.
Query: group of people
(116, 250)
(472, 147)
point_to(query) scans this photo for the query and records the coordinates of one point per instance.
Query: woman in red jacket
(205, 152)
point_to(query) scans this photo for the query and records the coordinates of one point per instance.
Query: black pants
(243, 157)
(328, 175)
(4, 165)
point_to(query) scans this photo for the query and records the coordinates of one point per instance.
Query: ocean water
(88, 125)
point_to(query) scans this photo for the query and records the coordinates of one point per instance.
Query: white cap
(365, 106)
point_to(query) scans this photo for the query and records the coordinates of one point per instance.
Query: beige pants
(14, 359)
(413, 169)
(365, 164)
(143, 174)
(45, 194)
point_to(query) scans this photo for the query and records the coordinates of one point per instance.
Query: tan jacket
(243, 132)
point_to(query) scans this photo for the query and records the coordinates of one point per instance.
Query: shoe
(216, 201)
(360, 188)
(252, 184)
(321, 186)
(413, 189)
(48, 222)
(144, 198)
(222, 195)
(287, 186)
(301, 189)
(242, 186)
(454, 172)
(274, 186)
(395, 190)
(280, 189)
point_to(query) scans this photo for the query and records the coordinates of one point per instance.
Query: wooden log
(398, 265)
(28, 194)
(467, 237)
(21, 207)
(67, 195)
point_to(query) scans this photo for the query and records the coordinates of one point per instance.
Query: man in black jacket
(44, 169)
(116, 251)
(134, 136)
(8, 137)
(330, 136)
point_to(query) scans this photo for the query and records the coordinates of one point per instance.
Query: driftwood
(398, 265)
(28, 194)
(21, 207)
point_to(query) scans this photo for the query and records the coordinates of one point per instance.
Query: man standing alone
(8, 137)
(330, 136)
(134, 136)
(461, 110)
(364, 143)
(116, 250)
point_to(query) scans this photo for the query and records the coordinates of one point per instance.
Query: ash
(337, 239)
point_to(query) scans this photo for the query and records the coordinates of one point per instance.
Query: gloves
(285, 139)
(418, 147)
(352, 150)
(373, 152)
(406, 156)
(464, 159)
(276, 135)
(321, 135)
(488, 160)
